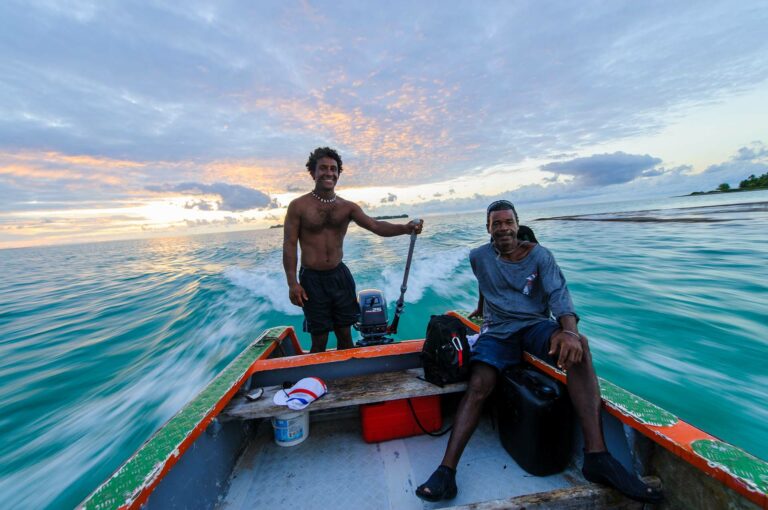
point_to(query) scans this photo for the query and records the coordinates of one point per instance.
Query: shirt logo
(529, 284)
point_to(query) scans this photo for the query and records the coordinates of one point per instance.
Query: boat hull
(188, 463)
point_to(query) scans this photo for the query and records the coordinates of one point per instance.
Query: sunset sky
(130, 119)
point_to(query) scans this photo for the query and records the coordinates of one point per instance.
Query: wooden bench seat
(351, 391)
(592, 496)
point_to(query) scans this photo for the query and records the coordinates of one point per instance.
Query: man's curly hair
(322, 152)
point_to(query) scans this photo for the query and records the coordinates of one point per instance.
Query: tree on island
(749, 184)
(753, 182)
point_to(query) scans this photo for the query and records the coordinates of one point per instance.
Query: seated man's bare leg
(343, 337)
(599, 466)
(585, 395)
(319, 342)
(481, 384)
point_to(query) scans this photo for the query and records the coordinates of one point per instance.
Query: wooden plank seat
(578, 497)
(350, 391)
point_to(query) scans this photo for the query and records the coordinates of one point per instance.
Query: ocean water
(102, 343)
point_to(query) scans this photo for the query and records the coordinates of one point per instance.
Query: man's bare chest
(325, 217)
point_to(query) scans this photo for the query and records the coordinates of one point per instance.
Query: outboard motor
(373, 326)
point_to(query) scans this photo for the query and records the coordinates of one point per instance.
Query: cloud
(749, 160)
(233, 196)
(197, 223)
(655, 182)
(200, 205)
(604, 169)
(109, 115)
(757, 151)
(401, 97)
(225, 221)
(391, 197)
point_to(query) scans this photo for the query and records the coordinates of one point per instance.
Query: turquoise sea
(102, 343)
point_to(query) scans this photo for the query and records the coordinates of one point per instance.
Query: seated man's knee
(481, 382)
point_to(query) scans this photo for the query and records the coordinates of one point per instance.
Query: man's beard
(505, 244)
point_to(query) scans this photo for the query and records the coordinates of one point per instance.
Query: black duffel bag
(445, 355)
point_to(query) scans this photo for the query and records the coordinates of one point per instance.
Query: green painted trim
(736, 462)
(127, 483)
(631, 405)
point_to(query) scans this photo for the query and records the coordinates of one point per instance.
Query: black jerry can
(535, 420)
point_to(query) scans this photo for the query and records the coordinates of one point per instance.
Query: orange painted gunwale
(300, 360)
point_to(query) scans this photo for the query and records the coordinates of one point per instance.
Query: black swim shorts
(332, 299)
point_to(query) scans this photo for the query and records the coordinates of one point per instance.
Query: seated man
(523, 288)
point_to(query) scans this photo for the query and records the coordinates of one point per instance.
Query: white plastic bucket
(291, 429)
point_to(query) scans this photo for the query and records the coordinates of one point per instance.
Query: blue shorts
(502, 354)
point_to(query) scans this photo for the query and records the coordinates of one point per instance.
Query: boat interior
(220, 450)
(334, 467)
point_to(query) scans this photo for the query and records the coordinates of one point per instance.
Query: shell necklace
(323, 200)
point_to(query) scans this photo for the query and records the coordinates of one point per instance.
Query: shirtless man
(318, 221)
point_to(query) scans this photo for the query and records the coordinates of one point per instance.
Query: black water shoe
(601, 467)
(441, 485)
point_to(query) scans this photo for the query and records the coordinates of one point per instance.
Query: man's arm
(384, 228)
(479, 310)
(566, 343)
(480, 299)
(291, 227)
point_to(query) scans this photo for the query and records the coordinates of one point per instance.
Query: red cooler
(393, 419)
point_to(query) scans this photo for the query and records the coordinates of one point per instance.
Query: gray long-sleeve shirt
(519, 294)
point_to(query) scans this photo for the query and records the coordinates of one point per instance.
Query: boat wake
(444, 272)
(268, 287)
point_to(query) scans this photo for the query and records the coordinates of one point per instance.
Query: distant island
(390, 217)
(280, 225)
(751, 183)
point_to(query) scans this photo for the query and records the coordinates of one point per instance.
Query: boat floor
(335, 468)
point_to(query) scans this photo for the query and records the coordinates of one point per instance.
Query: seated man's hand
(477, 313)
(415, 227)
(297, 294)
(567, 348)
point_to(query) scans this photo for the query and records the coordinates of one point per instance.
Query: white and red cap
(301, 394)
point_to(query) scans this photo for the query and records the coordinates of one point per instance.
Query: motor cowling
(373, 317)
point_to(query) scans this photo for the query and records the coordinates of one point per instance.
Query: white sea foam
(268, 286)
(446, 272)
